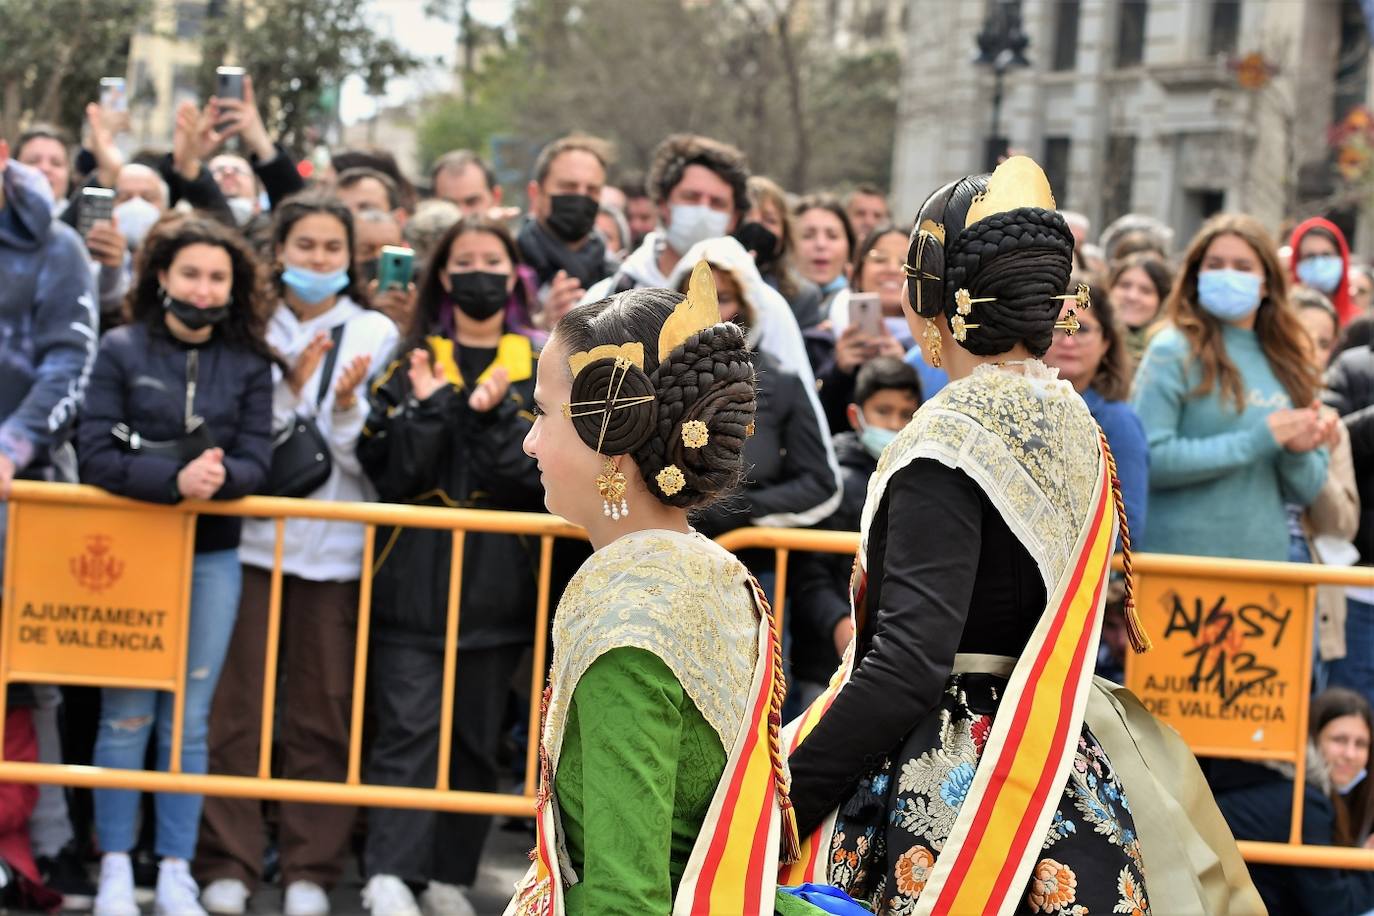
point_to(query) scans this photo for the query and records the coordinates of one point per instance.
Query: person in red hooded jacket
(1321, 261)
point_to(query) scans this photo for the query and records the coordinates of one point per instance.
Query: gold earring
(695, 434)
(932, 343)
(612, 486)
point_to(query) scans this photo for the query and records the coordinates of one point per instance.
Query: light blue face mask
(874, 438)
(1229, 295)
(1321, 272)
(311, 286)
(1350, 786)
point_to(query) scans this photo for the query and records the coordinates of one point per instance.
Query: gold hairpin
(695, 434)
(963, 302)
(670, 480)
(1083, 296)
(960, 328)
(1068, 324)
(699, 311)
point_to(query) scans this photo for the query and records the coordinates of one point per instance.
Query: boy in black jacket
(886, 395)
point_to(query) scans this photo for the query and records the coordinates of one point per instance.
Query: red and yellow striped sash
(733, 867)
(985, 863)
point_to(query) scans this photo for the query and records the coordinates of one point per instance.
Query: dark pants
(319, 623)
(405, 688)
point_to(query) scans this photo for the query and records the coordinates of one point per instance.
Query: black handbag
(196, 438)
(300, 453)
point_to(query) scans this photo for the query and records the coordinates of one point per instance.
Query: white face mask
(134, 218)
(692, 223)
(243, 208)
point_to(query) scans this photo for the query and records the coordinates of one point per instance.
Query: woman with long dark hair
(329, 344)
(179, 407)
(447, 419)
(1227, 394)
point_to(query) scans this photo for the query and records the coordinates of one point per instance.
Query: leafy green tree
(53, 54)
(299, 52)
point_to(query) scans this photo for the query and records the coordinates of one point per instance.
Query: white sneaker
(177, 892)
(305, 898)
(225, 896)
(441, 899)
(115, 896)
(387, 895)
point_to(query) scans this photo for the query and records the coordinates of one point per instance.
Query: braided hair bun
(708, 378)
(1018, 259)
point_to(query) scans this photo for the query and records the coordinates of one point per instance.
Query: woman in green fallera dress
(662, 789)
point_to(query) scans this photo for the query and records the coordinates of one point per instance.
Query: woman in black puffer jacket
(179, 407)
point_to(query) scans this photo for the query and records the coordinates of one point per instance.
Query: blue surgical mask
(1321, 272)
(312, 287)
(1228, 294)
(874, 438)
(1350, 786)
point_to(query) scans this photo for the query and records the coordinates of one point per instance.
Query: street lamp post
(1002, 45)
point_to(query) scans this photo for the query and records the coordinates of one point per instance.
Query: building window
(1118, 175)
(1130, 33)
(1057, 167)
(1065, 35)
(190, 19)
(874, 22)
(1225, 28)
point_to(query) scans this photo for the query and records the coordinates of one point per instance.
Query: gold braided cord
(1135, 631)
(791, 839)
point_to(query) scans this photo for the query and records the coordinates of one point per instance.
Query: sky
(435, 39)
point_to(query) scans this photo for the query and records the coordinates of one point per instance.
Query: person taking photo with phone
(179, 407)
(329, 345)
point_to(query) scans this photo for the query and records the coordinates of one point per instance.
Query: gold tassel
(1135, 630)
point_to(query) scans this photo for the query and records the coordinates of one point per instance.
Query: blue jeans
(127, 718)
(1356, 670)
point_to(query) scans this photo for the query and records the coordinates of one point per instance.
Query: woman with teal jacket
(1228, 399)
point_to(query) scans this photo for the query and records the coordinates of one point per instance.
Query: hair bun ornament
(699, 311)
(614, 407)
(695, 434)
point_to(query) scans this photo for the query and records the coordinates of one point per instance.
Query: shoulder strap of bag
(330, 360)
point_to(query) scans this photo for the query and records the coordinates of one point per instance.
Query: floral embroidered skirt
(891, 831)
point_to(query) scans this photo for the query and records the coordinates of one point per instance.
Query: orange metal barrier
(354, 792)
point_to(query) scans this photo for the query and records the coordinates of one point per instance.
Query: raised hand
(425, 377)
(353, 375)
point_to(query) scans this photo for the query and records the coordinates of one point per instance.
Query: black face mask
(759, 239)
(194, 318)
(572, 216)
(478, 294)
(367, 270)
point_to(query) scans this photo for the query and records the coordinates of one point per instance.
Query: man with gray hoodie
(47, 327)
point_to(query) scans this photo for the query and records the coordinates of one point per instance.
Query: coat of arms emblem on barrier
(97, 569)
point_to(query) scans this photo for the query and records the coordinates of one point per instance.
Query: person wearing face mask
(887, 393)
(179, 407)
(559, 239)
(1321, 261)
(447, 420)
(1227, 394)
(768, 232)
(329, 345)
(700, 187)
(1338, 809)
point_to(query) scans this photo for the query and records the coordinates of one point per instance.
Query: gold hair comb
(699, 311)
(1082, 295)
